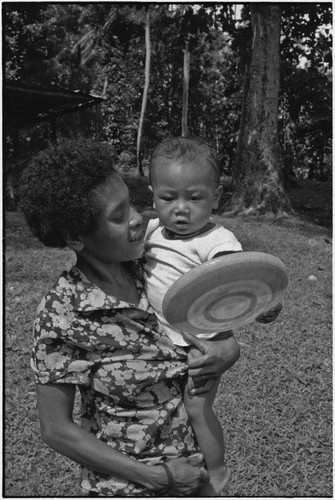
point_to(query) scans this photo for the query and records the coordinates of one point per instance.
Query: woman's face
(119, 234)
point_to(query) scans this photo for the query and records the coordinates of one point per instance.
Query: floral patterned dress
(128, 372)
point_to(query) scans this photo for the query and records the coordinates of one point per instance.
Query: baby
(185, 181)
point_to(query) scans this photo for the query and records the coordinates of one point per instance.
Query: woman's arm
(217, 356)
(55, 405)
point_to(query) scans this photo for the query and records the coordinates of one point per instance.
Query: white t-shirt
(166, 260)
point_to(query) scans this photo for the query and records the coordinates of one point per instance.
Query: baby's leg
(209, 435)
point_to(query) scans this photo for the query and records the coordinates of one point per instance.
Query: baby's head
(185, 180)
(185, 150)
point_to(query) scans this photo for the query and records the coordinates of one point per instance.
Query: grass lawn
(275, 404)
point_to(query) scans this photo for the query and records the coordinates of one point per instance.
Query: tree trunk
(186, 82)
(145, 91)
(257, 181)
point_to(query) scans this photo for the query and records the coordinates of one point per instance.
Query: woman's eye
(118, 216)
(195, 198)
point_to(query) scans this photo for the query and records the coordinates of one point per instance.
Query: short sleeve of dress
(60, 353)
(218, 240)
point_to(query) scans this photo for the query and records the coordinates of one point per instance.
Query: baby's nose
(181, 206)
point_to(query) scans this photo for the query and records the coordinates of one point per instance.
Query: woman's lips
(139, 236)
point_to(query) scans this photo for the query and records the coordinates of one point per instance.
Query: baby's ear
(217, 196)
(152, 192)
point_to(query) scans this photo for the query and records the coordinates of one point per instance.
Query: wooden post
(53, 130)
(186, 83)
(97, 125)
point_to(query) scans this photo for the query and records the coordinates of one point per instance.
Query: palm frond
(110, 18)
(85, 40)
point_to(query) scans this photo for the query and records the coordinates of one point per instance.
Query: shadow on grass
(275, 404)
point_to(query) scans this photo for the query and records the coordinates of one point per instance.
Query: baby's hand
(270, 315)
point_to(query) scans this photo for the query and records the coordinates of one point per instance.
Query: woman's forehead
(114, 189)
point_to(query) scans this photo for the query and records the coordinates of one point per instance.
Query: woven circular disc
(225, 293)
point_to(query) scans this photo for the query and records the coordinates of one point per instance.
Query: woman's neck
(114, 279)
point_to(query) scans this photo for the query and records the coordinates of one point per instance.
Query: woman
(96, 330)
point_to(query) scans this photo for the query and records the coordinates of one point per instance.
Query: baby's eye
(167, 198)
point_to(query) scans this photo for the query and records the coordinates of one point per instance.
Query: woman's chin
(138, 251)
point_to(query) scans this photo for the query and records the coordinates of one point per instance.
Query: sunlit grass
(274, 404)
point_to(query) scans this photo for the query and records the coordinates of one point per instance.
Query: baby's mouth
(182, 225)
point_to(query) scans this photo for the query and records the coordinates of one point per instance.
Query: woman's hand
(270, 315)
(214, 358)
(188, 475)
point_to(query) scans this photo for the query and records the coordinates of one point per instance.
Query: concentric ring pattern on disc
(225, 293)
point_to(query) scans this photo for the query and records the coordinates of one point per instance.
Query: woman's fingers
(190, 384)
(206, 387)
(188, 474)
(195, 460)
(204, 476)
(193, 340)
(202, 371)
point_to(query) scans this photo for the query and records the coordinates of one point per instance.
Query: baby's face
(184, 196)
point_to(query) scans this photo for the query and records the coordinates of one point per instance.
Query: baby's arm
(270, 315)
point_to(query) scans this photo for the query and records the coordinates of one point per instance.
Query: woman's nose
(136, 219)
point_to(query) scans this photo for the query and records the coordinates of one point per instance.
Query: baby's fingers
(270, 315)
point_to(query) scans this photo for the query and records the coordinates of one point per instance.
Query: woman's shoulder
(63, 292)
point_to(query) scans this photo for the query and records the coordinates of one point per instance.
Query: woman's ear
(73, 241)
(217, 196)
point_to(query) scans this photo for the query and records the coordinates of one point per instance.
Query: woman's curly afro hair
(57, 189)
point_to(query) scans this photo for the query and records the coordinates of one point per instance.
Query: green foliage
(306, 95)
(216, 96)
(99, 48)
(37, 37)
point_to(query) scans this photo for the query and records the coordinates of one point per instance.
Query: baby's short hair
(185, 149)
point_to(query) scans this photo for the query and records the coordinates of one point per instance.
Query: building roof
(27, 105)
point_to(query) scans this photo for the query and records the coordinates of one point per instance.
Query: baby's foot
(216, 487)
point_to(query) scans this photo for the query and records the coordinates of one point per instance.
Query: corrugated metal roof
(27, 105)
